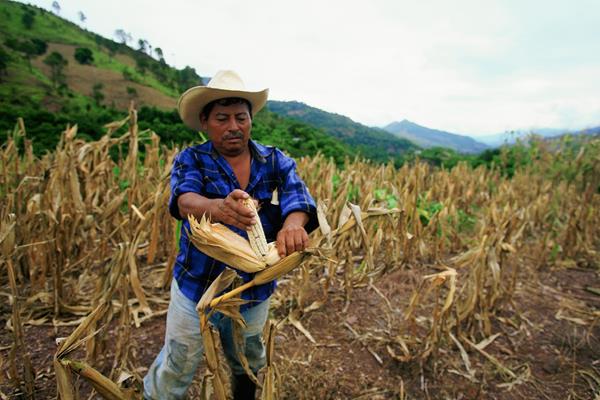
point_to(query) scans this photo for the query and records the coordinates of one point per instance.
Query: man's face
(228, 128)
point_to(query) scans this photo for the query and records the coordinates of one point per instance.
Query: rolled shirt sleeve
(185, 177)
(293, 193)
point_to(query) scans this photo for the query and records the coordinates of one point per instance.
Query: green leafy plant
(84, 56)
(427, 209)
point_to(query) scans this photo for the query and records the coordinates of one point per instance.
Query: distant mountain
(427, 137)
(511, 137)
(373, 143)
(590, 131)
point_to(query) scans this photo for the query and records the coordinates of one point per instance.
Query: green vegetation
(52, 29)
(297, 138)
(97, 94)
(83, 55)
(57, 64)
(427, 209)
(44, 127)
(372, 143)
(4, 59)
(28, 18)
(48, 105)
(28, 87)
(390, 200)
(28, 48)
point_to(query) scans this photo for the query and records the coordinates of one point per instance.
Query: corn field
(435, 295)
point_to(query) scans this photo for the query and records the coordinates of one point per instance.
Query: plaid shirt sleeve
(293, 193)
(185, 177)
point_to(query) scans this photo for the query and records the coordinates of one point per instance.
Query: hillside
(123, 72)
(428, 138)
(54, 73)
(374, 143)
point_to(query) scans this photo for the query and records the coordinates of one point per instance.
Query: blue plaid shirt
(200, 169)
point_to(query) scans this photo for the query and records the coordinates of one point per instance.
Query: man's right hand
(231, 211)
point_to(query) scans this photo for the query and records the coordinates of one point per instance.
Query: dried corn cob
(256, 234)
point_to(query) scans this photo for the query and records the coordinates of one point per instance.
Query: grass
(46, 25)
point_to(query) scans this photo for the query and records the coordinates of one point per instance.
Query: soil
(548, 339)
(82, 78)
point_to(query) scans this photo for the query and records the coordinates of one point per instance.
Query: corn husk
(221, 243)
(104, 386)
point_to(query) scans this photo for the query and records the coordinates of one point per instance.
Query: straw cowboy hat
(223, 84)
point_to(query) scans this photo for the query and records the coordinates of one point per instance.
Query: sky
(468, 67)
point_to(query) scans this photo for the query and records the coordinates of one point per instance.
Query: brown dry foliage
(87, 240)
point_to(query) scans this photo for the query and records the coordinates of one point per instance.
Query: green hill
(373, 143)
(114, 65)
(53, 72)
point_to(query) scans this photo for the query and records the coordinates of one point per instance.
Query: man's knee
(255, 352)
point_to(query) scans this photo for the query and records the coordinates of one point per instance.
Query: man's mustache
(233, 135)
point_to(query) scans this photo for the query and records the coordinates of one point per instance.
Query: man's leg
(171, 374)
(254, 348)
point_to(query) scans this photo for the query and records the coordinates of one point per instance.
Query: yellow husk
(221, 243)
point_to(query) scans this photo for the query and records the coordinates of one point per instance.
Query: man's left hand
(292, 237)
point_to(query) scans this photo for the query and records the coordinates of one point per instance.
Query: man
(211, 179)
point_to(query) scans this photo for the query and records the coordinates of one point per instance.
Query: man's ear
(203, 123)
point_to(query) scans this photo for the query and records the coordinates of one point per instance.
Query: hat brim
(192, 102)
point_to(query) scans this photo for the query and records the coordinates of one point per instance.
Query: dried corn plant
(251, 256)
(88, 243)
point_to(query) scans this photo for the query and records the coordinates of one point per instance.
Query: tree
(83, 55)
(159, 54)
(143, 45)
(29, 50)
(82, 17)
(97, 94)
(28, 18)
(56, 7)
(187, 77)
(141, 64)
(112, 48)
(127, 74)
(132, 92)
(40, 46)
(4, 59)
(57, 64)
(124, 37)
(31, 47)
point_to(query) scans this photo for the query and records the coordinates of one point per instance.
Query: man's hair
(227, 101)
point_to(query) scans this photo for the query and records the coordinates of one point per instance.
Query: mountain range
(373, 143)
(512, 136)
(427, 137)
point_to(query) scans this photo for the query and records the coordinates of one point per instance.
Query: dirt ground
(82, 78)
(545, 340)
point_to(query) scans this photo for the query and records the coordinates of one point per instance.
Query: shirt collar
(259, 152)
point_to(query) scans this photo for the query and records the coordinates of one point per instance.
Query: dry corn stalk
(270, 384)
(104, 386)
(276, 271)
(439, 319)
(224, 279)
(61, 219)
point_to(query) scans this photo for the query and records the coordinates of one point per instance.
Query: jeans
(173, 370)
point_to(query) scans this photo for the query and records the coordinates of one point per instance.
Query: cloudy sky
(470, 67)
